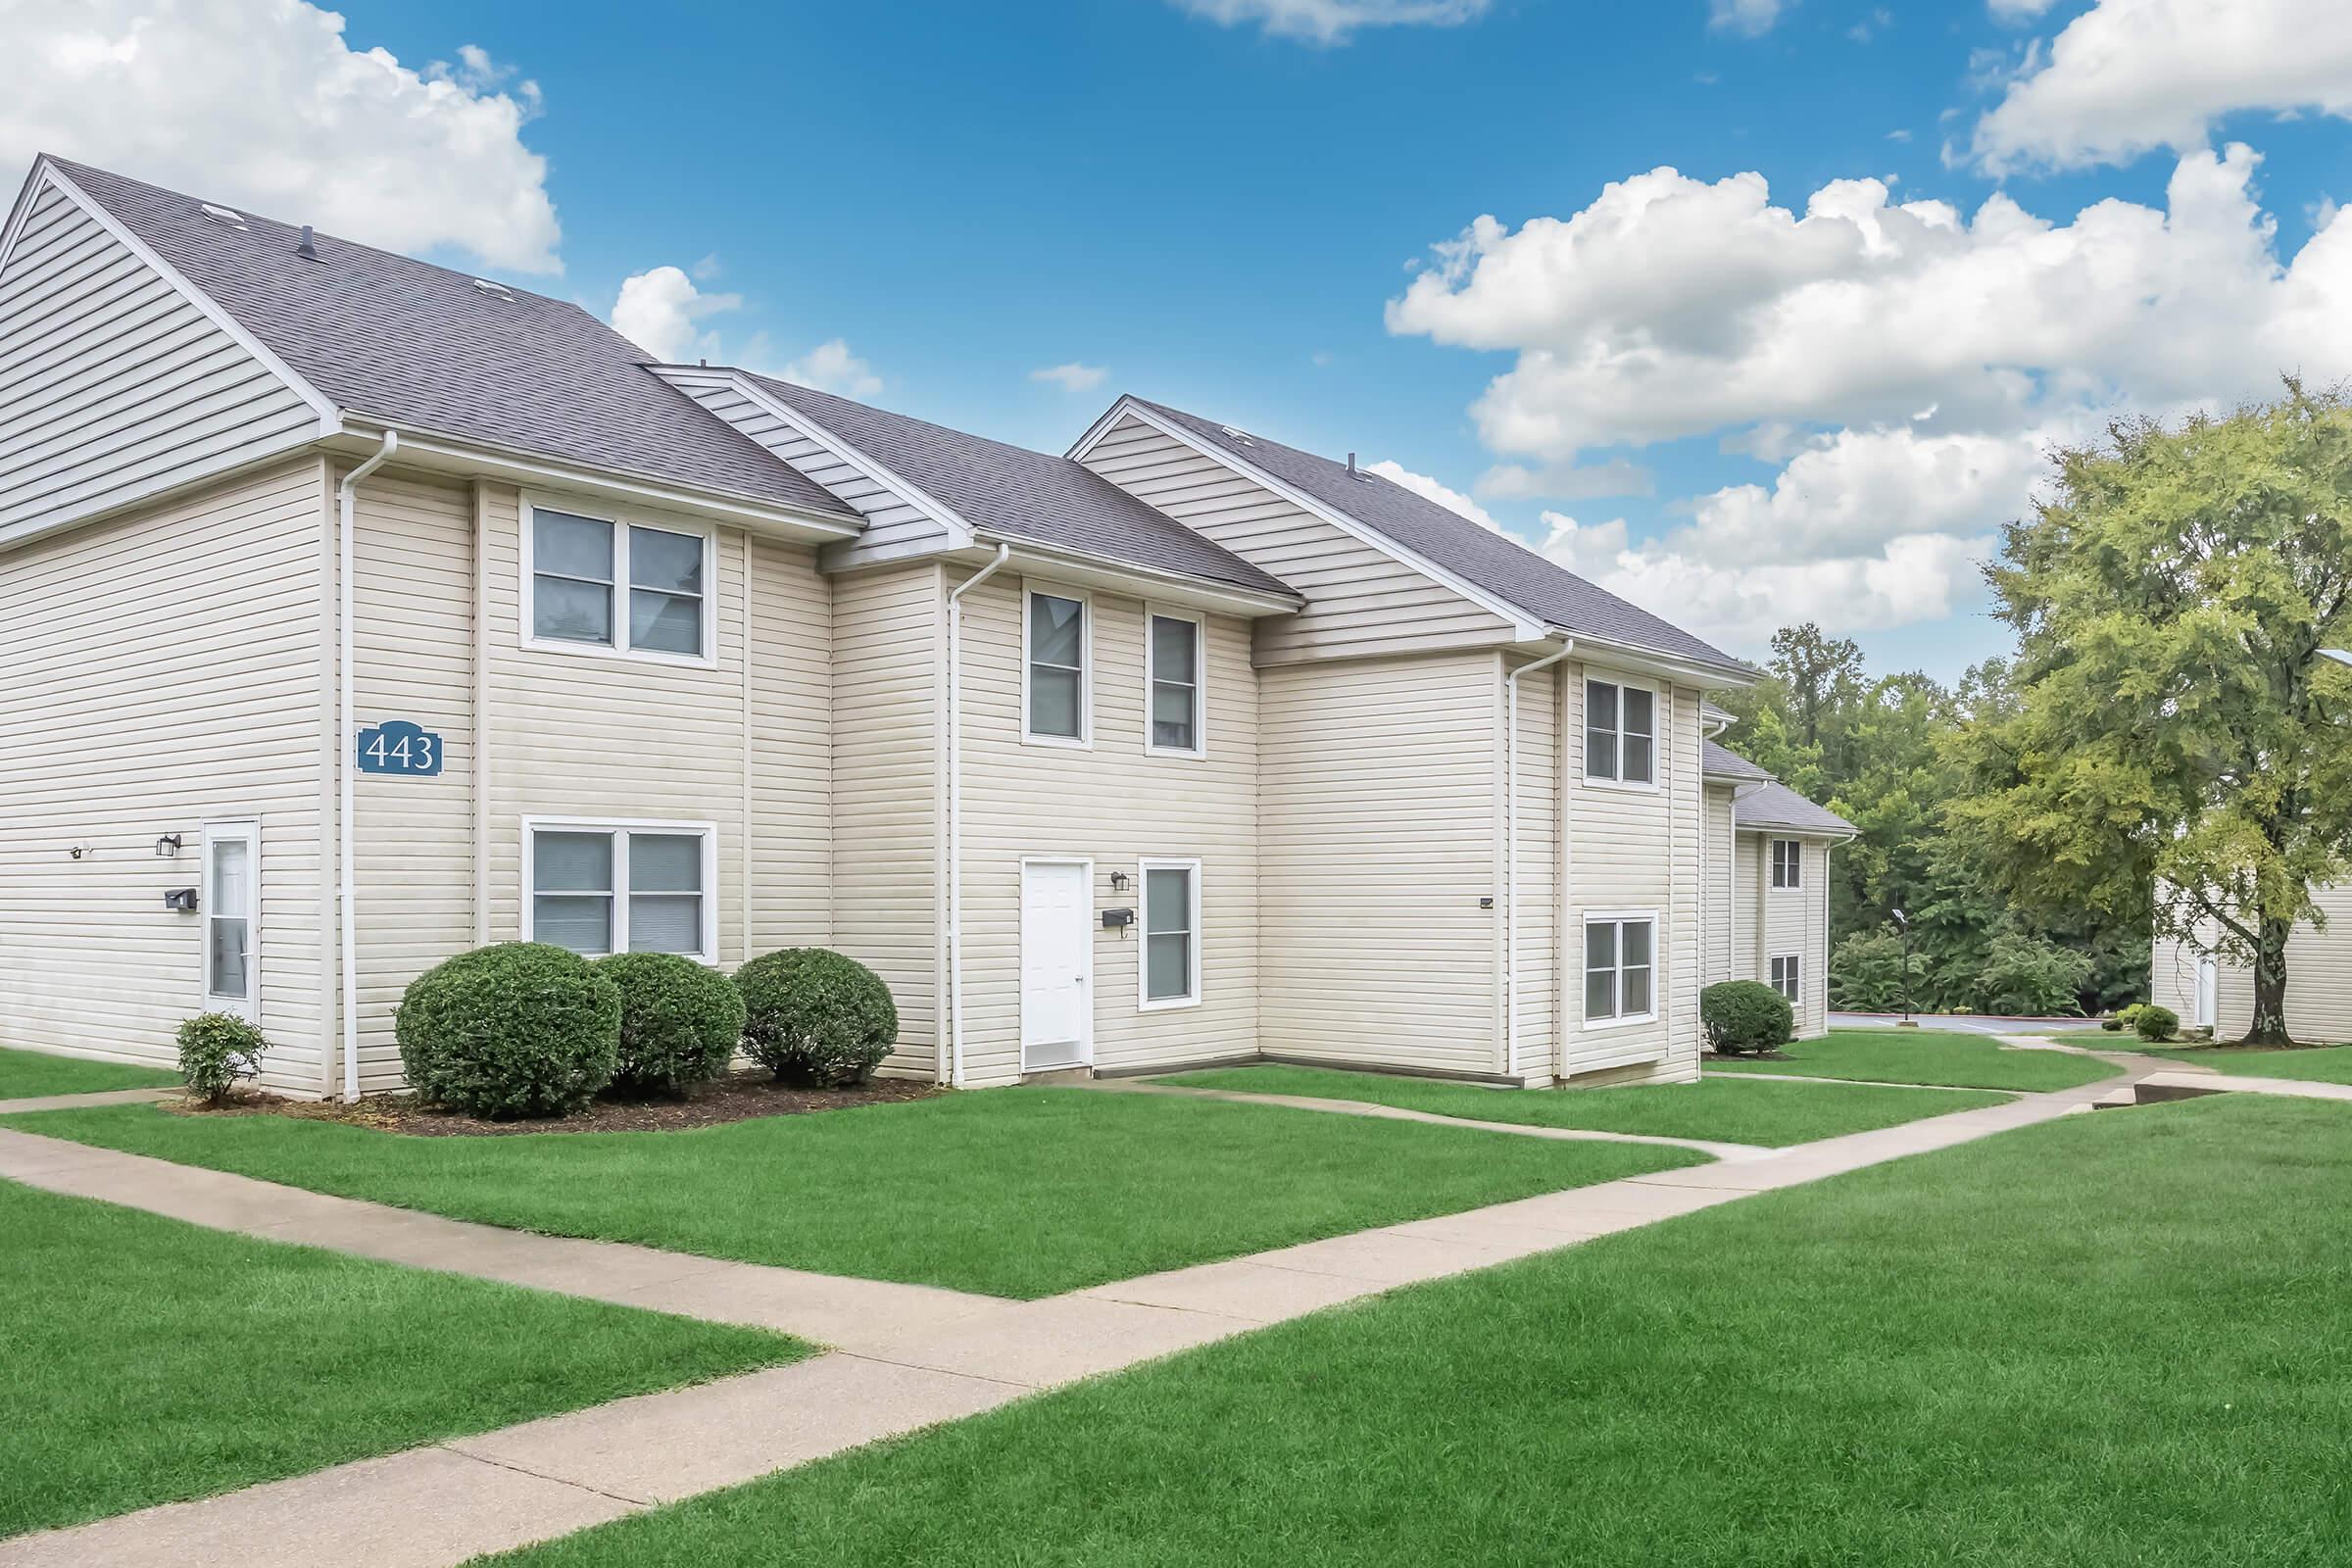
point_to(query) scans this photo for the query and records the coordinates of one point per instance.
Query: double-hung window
(230, 904)
(1055, 688)
(626, 587)
(1171, 966)
(1621, 728)
(641, 887)
(1788, 864)
(1785, 976)
(1619, 968)
(1173, 659)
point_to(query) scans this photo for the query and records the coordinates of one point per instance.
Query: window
(1788, 864)
(640, 887)
(1618, 968)
(633, 589)
(1173, 674)
(1784, 977)
(1619, 732)
(1056, 681)
(231, 907)
(1171, 967)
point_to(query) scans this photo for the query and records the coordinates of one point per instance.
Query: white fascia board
(329, 417)
(1523, 627)
(1133, 580)
(1666, 666)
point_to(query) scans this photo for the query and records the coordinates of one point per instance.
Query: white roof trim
(1524, 629)
(46, 173)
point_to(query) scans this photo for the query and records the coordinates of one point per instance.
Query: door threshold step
(1059, 1075)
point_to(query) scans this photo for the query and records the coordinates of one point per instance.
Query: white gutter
(1510, 851)
(346, 882)
(956, 810)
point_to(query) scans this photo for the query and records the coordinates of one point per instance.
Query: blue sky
(1219, 214)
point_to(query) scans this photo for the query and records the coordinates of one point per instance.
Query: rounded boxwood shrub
(679, 1022)
(513, 1029)
(813, 1017)
(1745, 1016)
(2154, 1023)
(216, 1050)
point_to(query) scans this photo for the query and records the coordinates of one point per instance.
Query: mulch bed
(739, 1098)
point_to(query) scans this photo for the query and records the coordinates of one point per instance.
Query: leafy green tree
(1866, 973)
(2179, 740)
(2025, 973)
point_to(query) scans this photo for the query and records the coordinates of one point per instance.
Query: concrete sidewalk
(102, 1096)
(436, 1507)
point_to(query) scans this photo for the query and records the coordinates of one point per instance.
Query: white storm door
(1057, 961)
(2207, 998)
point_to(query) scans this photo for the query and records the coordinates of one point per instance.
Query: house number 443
(398, 746)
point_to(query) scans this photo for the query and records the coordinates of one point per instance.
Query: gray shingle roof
(399, 340)
(1021, 494)
(1508, 570)
(1720, 761)
(1774, 805)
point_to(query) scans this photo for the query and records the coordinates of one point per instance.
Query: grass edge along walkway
(1927, 1057)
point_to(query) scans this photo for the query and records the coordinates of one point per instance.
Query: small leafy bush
(2112, 1023)
(2155, 1024)
(2127, 1017)
(1745, 1016)
(513, 1029)
(216, 1050)
(813, 1017)
(679, 1022)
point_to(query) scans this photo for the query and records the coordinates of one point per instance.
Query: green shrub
(813, 1017)
(216, 1051)
(2025, 975)
(2112, 1023)
(679, 1022)
(2155, 1024)
(1743, 1016)
(515, 1029)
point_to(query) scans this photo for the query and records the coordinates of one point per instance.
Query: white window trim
(1084, 740)
(1657, 732)
(1143, 1000)
(248, 1006)
(1795, 963)
(622, 519)
(1199, 747)
(622, 826)
(1658, 966)
(1795, 863)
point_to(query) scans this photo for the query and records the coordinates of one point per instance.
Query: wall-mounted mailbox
(1117, 919)
(180, 898)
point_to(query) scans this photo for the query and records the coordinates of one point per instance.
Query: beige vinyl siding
(112, 385)
(1379, 822)
(894, 524)
(163, 669)
(1719, 888)
(2319, 980)
(1114, 803)
(1636, 849)
(889, 792)
(2173, 979)
(791, 903)
(1791, 922)
(1540, 759)
(1360, 599)
(1748, 875)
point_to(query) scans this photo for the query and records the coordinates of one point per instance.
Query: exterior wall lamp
(167, 848)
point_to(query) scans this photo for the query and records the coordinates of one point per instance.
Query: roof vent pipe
(1350, 465)
(308, 251)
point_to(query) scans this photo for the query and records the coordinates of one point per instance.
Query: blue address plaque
(398, 746)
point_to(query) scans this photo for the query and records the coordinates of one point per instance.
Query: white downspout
(956, 812)
(346, 881)
(1510, 850)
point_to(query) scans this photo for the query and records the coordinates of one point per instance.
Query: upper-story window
(1621, 729)
(1173, 660)
(1788, 864)
(1057, 689)
(618, 586)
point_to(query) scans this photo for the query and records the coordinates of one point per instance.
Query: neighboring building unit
(2206, 990)
(355, 612)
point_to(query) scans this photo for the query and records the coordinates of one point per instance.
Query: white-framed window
(1620, 967)
(230, 906)
(1621, 733)
(1787, 976)
(1788, 864)
(1175, 656)
(621, 887)
(599, 582)
(1056, 674)
(1169, 972)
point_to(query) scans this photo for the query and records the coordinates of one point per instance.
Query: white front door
(1056, 965)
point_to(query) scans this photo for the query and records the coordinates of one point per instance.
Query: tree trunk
(2268, 1026)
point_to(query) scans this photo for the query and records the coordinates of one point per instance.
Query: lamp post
(1903, 923)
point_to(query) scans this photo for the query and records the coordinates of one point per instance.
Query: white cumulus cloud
(2129, 75)
(1072, 378)
(1429, 489)
(657, 311)
(1331, 21)
(1749, 19)
(264, 105)
(830, 367)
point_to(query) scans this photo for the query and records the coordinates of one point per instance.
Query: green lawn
(1014, 1192)
(2106, 1341)
(2326, 1064)
(1930, 1056)
(27, 1074)
(1774, 1115)
(150, 1360)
